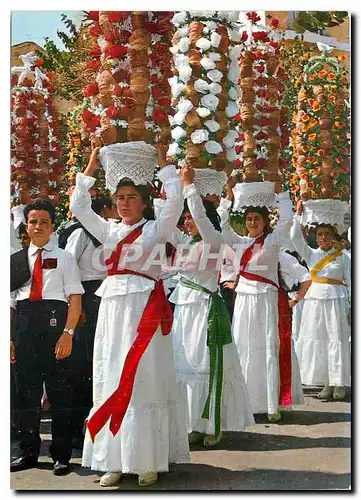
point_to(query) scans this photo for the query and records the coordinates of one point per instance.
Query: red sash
(284, 326)
(157, 312)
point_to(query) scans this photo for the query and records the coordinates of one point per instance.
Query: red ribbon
(284, 326)
(157, 312)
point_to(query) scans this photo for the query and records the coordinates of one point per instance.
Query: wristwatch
(69, 330)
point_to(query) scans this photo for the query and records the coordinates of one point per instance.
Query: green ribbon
(219, 334)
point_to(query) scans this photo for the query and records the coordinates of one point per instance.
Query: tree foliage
(317, 21)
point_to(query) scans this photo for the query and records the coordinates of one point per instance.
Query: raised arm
(299, 242)
(80, 201)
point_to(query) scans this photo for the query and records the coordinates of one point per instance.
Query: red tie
(36, 291)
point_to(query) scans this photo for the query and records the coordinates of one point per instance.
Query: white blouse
(146, 249)
(339, 269)
(264, 261)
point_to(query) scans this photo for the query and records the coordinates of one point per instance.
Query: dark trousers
(35, 341)
(229, 296)
(82, 358)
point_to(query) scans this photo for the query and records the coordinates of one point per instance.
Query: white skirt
(255, 333)
(296, 317)
(153, 432)
(322, 346)
(192, 366)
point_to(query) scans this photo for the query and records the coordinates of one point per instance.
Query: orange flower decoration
(320, 152)
(310, 101)
(311, 159)
(313, 123)
(332, 99)
(316, 106)
(312, 137)
(331, 76)
(313, 194)
(322, 73)
(334, 173)
(294, 189)
(341, 57)
(304, 149)
(310, 185)
(305, 57)
(313, 77)
(305, 118)
(339, 160)
(305, 128)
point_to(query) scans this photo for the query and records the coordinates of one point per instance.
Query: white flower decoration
(213, 147)
(234, 35)
(184, 30)
(235, 52)
(215, 39)
(203, 112)
(232, 109)
(182, 163)
(203, 44)
(212, 125)
(210, 101)
(231, 154)
(177, 133)
(183, 44)
(181, 60)
(184, 106)
(214, 56)
(233, 93)
(201, 86)
(214, 75)
(174, 149)
(207, 63)
(211, 25)
(185, 72)
(179, 18)
(199, 136)
(215, 88)
(179, 118)
(230, 139)
(233, 73)
(177, 89)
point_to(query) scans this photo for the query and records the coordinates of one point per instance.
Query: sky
(36, 25)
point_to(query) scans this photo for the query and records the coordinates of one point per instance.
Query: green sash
(219, 334)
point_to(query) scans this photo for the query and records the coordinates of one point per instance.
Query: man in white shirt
(87, 251)
(45, 308)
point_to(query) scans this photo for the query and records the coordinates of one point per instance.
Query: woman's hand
(187, 175)
(64, 346)
(92, 163)
(231, 182)
(299, 207)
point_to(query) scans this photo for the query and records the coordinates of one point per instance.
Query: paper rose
(183, 44)
(177, 88)
(201, 86)
(234, 35)
(177, 133)
(214, 75)
(179, 118)
(184, 30)
(179, 18)
(232, 109)
(199, 136)
(214, 56)
(212, 125)
(172, 123)
(210, 101)
(235, 52)
(215, 39)
(212, 147)
(211, 25)
(185, 72)
(207, 63)
(174, 149)
(180, 60)
(233, 94)
(185, 106)
(203, 112)
(233, 72)
(230, 139)
(215, 88)
(231, 154)
(203, 44)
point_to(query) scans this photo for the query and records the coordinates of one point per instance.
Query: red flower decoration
(164, 102)
(92, 15)
(87, 115)
(260, 35)
(237, 163)
(95, 31)
(117, 89)
(253, 16)
(93, 65)
(274, 23)
(112, 111)
(116, 51)
(156, 92)
(95, 52)
(159, 116)
(244, 36)
(90, 90)
(118, 16)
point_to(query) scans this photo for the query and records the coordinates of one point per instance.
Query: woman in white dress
(153, 427)
(255, 326)
(198, 305)
(323, 343)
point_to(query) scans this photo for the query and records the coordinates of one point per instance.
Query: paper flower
(203, 43)
(201, 86)
(184, 106)
(232, 109)
(212, 125)
(235, 52)
(230, 139)
(203, 112)
(214, 56)
(215, 39)
(213, 147)
(199, 136)
(214, 75)
(179, 18)
(215, 88)
(177, 89)
(185, 72)
(231, 154)
(233, 94)
(183, 44)
(177, 133)
(233, 73)
(207, 63)
(211, 25)
(179, 118)
(174, 149)
(210, 101)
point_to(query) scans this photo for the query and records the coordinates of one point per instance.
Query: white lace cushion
(325, 212)
(255, 194)
(209, 181)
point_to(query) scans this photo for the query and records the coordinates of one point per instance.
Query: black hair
(326, 226)
(40, 204)
(337, 237)
(22, 229)
(99, 202)
(143, 191)
(264, 212)
(211, 213)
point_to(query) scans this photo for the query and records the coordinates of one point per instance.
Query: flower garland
(321, 137)
(36, 168)
(204, 88)
(259, 123)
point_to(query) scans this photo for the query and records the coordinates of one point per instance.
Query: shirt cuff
(84, 182)
(74, 289)
(226, 204)
(189, 190)
(13, 303)
(166, 173)
(283, 195)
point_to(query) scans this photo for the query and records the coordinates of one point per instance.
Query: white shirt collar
(33, 248)
(134, 225)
